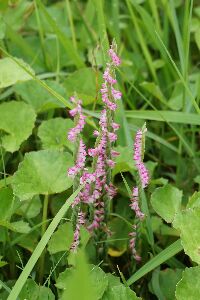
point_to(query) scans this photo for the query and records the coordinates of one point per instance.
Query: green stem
(41, 34)
(69, 12)
(44, 227)
(3, 163)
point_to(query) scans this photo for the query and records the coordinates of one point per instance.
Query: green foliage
(33, 291)
(57, 243)
(53, 133)
(188, 223)
(166, 201)
(120, 292)
(97, 279)
(6, 203)
(39, 98)
(42, 172)
(84, 83)
(51, 50)
(12, 73)
(163, 283)
(16, 121)
(80, 275)
(188, 287)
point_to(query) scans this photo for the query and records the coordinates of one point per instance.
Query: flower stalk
(98, 188)
(142, 181)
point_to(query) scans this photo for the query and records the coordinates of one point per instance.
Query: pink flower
(80, 162)
(135, 204)
(75, 111)
(115, 126)
(114, 153)
(143, 172)
(132, 244)
(98, 217)
(110, 163)
(115, 59)
(93, 152)
(73, 132)
(96, 133)
(76, 240)
(111, 190)
(116, 94)
(112, 136)
(107, 76)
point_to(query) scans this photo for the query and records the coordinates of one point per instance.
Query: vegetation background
(51, 49)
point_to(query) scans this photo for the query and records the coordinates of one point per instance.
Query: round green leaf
(42, 172)
(17, 120)
(166, 201)
(11, 72)
(53, 133)
(188, 287)
(188, 222)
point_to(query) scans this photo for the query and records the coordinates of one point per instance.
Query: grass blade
(102, 27)
(67, 44)
(42, 83)
(40, 247)
(163, 256)
(192, 99)
(143, 45)
(164, 116)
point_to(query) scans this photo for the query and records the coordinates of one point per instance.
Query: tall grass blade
(162, 257)
(67, 44)
(40, 247)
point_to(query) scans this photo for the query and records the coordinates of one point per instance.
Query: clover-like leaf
(188, 222)
(53, 133)
(17, 121)
(42, 172)
(188, 286)
(166, 201)
(11, 72)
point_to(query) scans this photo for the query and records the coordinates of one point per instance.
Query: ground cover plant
(99, 139)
